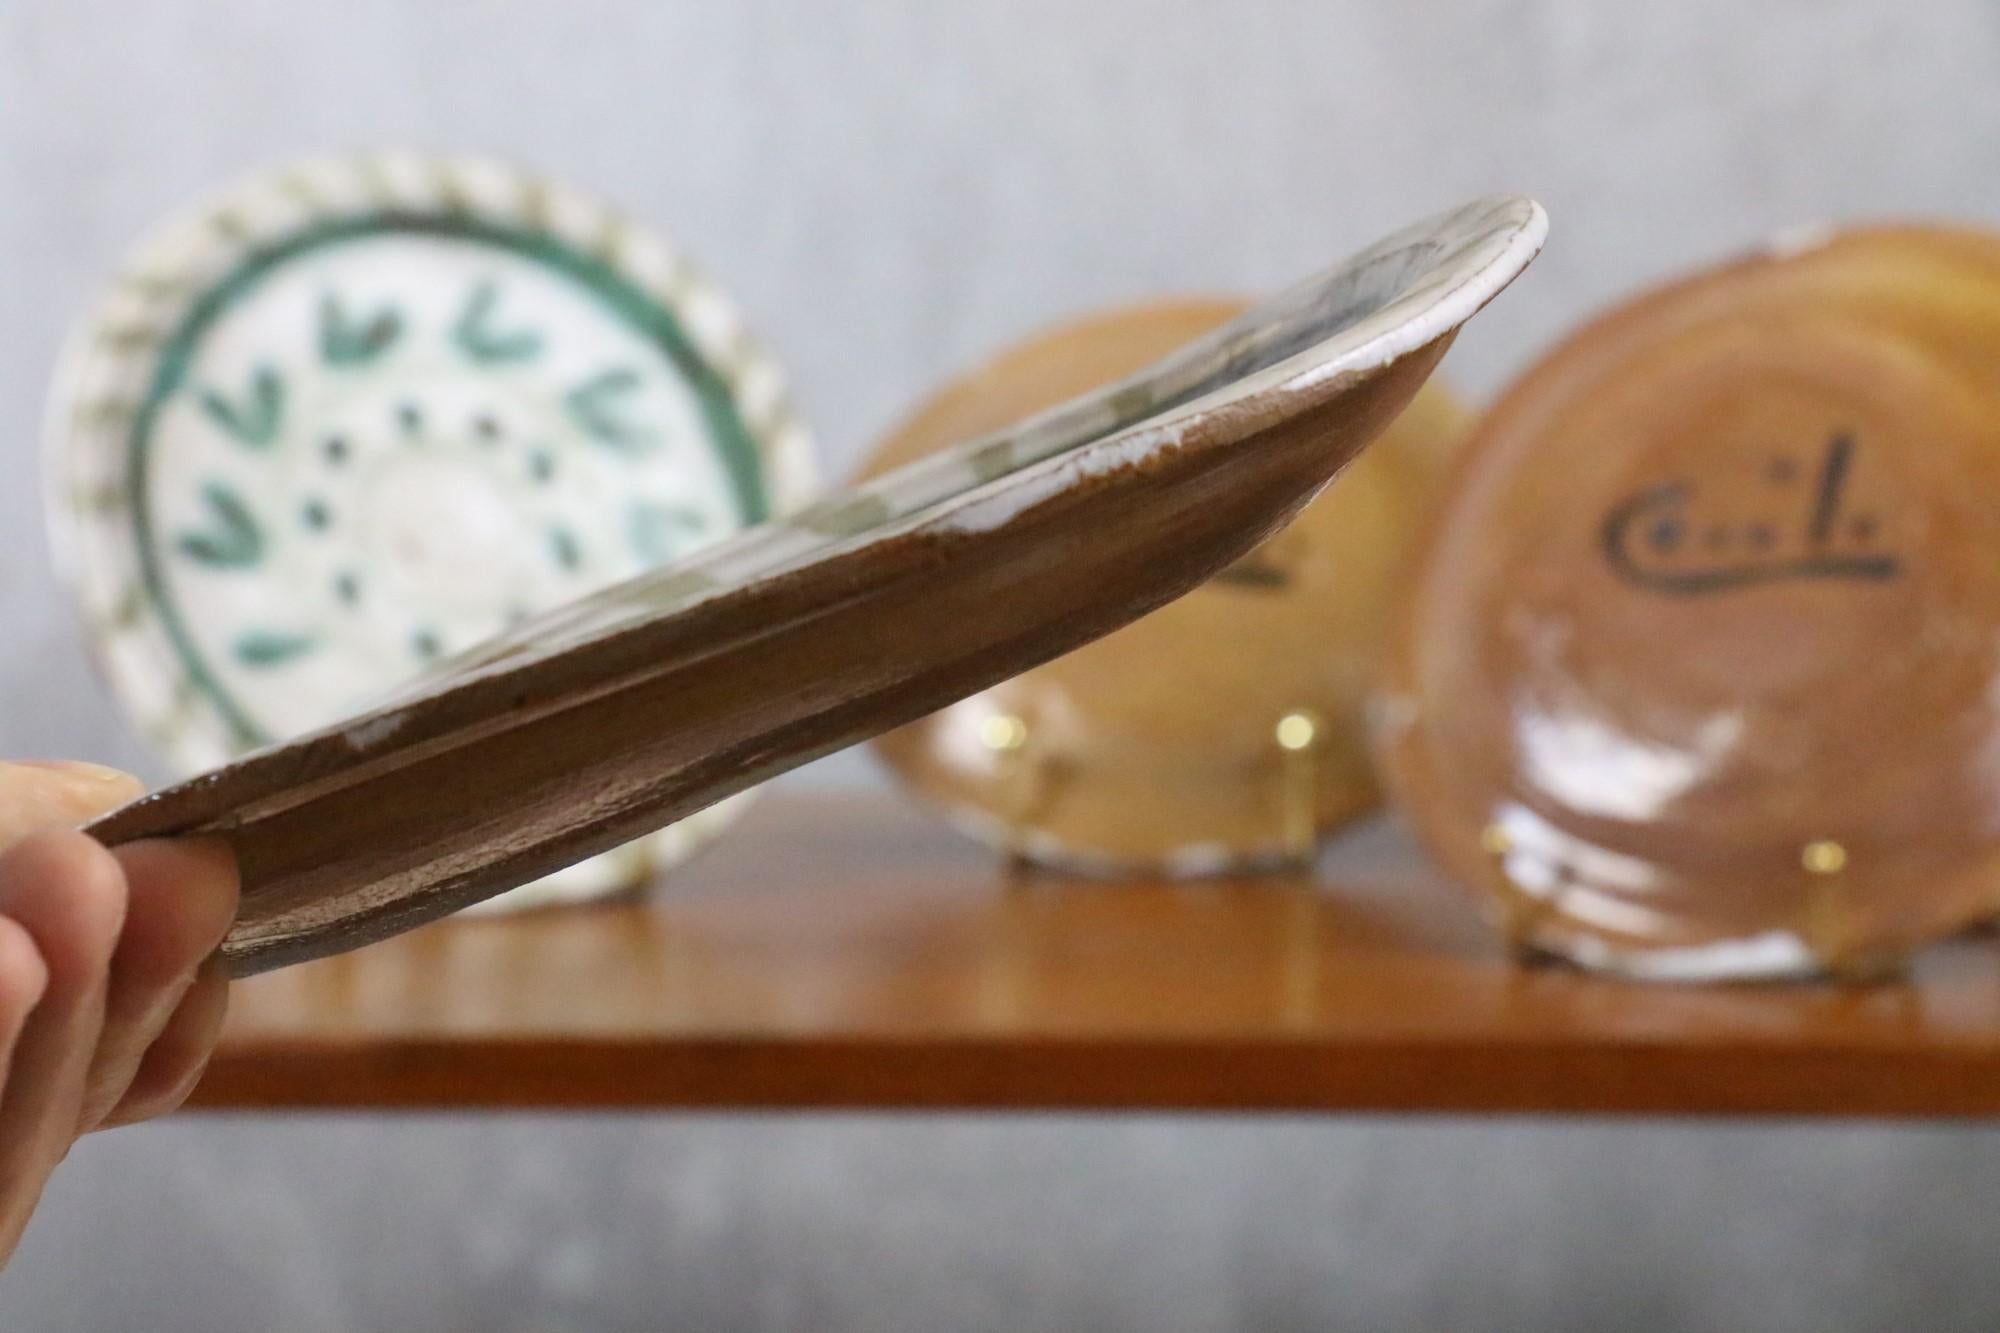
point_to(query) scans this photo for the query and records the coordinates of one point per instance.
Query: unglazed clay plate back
(664, 694)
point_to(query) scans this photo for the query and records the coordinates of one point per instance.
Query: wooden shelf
(851, 952)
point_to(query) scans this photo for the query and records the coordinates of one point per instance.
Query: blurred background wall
(891, 189)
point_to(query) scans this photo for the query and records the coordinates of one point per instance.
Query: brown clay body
(1155, 748)
(1701, 673)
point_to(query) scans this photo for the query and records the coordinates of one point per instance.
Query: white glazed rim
(109, 358)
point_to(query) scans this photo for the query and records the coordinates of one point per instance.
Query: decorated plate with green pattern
(355, 417)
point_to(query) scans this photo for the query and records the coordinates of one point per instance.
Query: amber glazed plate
(641, 704)
(1697, 677)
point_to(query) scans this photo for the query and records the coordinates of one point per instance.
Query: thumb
(36, 795)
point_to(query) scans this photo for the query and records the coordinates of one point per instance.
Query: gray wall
(889, 189)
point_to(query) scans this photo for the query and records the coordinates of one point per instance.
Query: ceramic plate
(1698, 678)
(861, 612)
(356, 416)
(1221, 733)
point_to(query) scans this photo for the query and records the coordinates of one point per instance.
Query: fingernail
(73, 767)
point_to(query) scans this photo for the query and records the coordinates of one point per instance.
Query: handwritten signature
(1648, 530)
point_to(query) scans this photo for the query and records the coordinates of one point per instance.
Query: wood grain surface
(851, 953)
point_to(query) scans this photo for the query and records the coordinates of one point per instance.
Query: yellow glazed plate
(1222, 732)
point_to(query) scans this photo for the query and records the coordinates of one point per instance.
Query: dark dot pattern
(563, 542)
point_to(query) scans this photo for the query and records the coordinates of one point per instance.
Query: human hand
(111, 990)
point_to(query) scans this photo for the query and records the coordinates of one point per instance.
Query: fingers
(180, 900)
(23, 978)
(68, 895)
(35, 796)
(111, 990)
(173, 1064)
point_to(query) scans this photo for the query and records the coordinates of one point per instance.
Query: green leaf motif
(481, 342)
(269, 648)
(659, 532)
(255, 420)
(345, 341)
(659, 591)
(843, 517)
(592, 405)
(991, 461)
(1133, 402)
(234, 540)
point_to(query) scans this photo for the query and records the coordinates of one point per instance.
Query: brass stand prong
(1829, 927)
(1005, 736)
(1299, 734)
(1826, 931)
(1521, 914)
